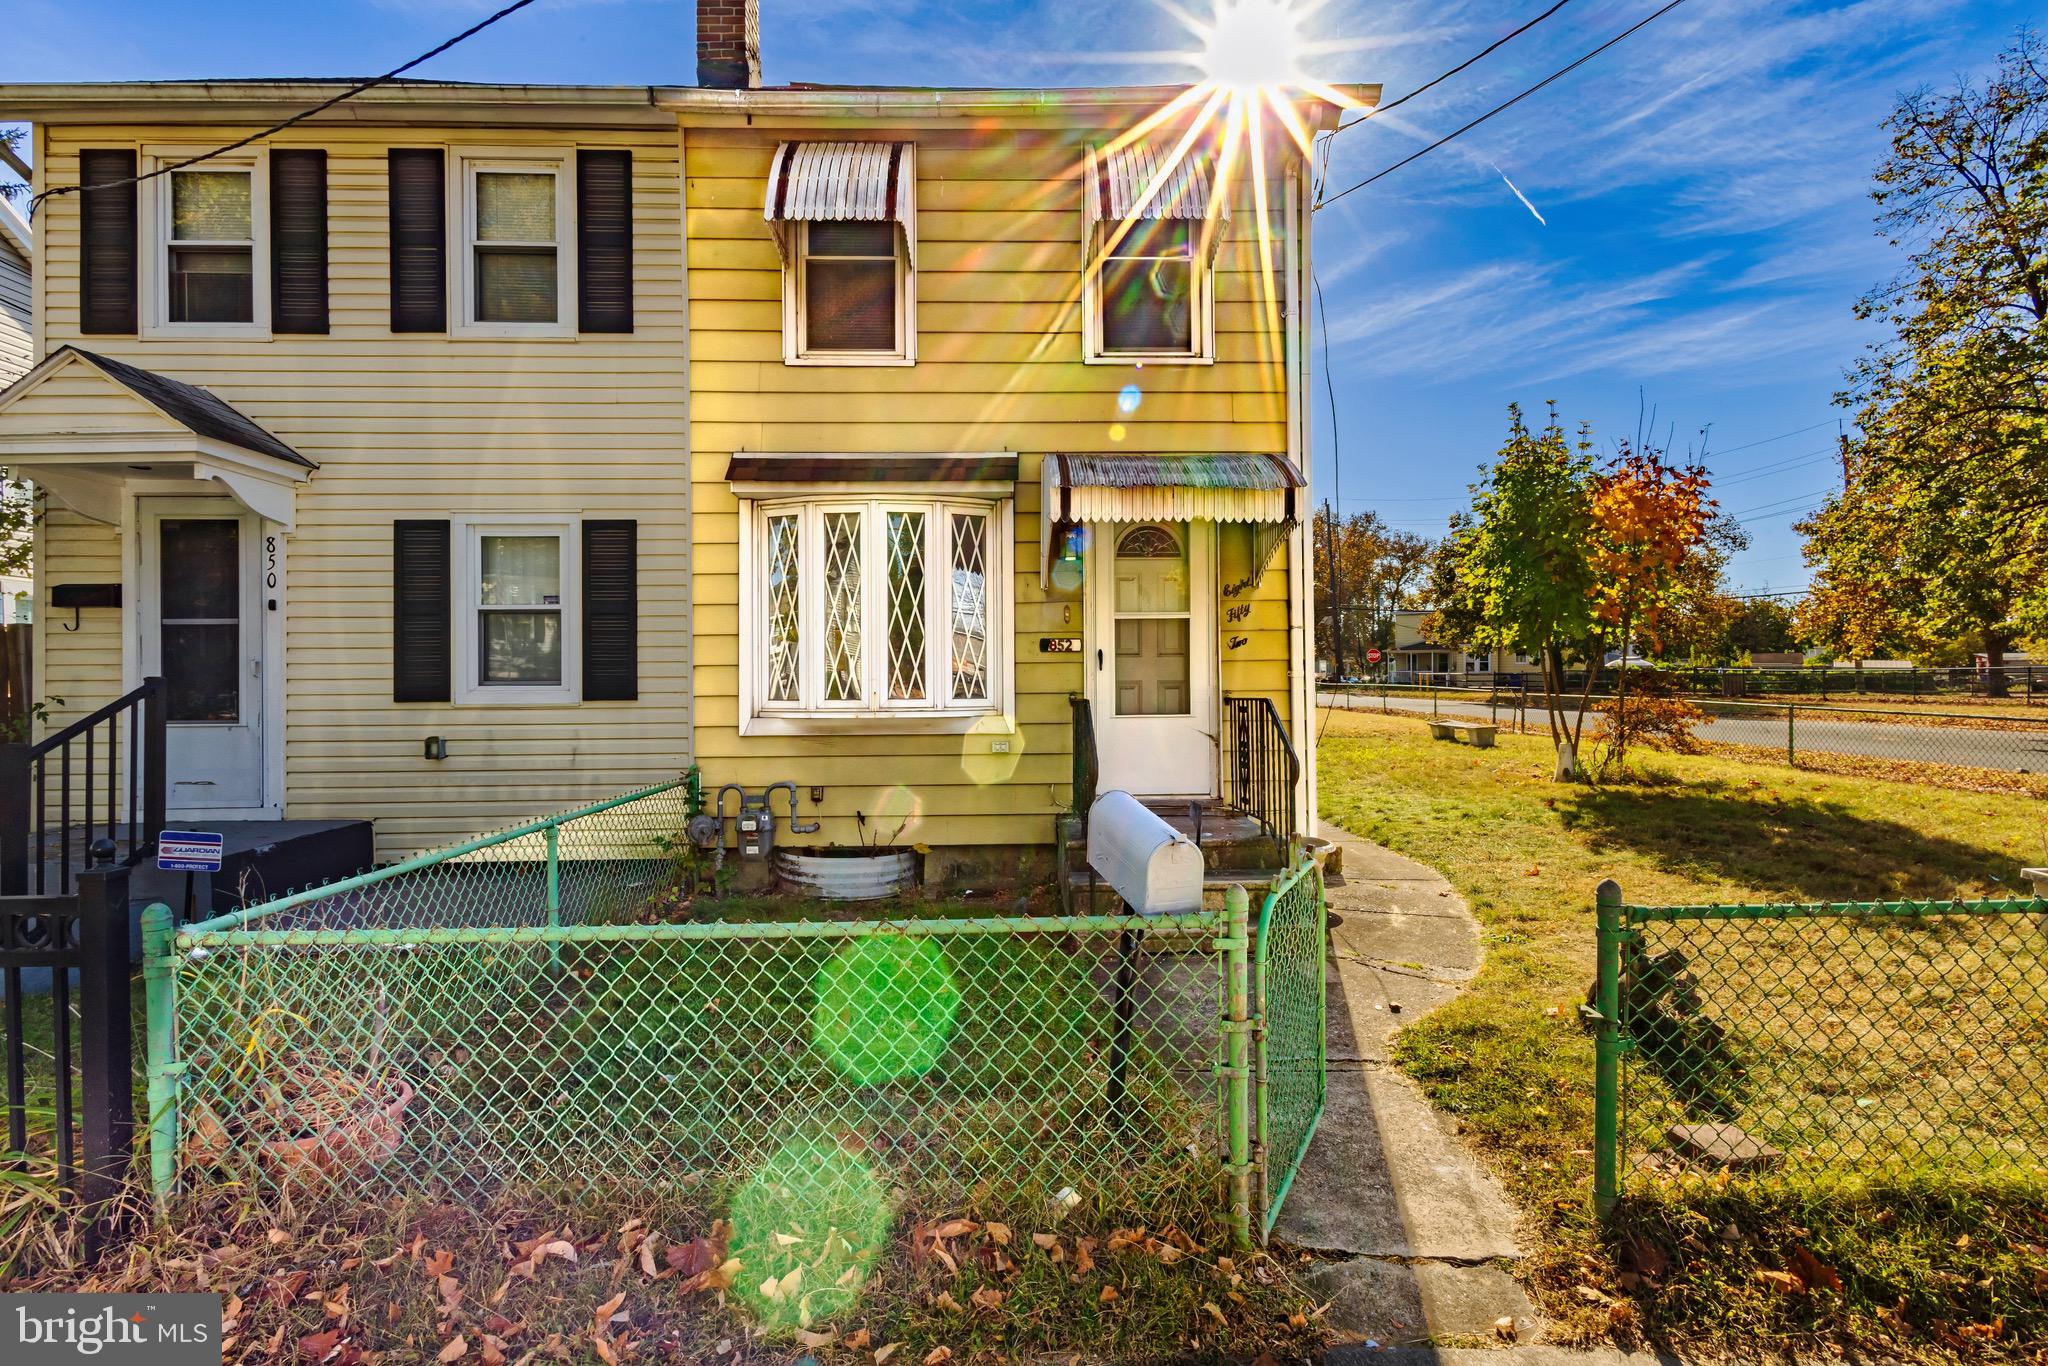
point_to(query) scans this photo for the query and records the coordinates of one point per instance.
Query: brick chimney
(729, 44)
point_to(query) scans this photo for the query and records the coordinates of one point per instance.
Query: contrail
(1519, 195)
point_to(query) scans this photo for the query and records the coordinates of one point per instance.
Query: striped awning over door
(1078, 489)
(842, 181)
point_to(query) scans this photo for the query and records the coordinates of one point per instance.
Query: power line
(1485, 52)
(1501, 108)
(321, 108)
(1796, 431)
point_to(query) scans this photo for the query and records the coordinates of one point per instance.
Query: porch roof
(1078, 488)
(150, 427)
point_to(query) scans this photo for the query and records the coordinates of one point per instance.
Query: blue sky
(1702, 188)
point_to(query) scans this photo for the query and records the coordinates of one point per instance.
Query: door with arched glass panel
(1152, 655)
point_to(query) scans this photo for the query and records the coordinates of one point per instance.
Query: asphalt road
(1813, 731)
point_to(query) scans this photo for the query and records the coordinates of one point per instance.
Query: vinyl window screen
(212, 249)
(515, 247)
(850, 280)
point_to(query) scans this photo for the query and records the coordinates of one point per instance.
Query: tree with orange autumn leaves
(1564, 558)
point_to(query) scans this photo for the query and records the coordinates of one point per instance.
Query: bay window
(875, 606)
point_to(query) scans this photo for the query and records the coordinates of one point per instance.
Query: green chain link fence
(537, 1011)
(1819, 1044)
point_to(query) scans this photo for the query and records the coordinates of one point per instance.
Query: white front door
(1152, 645)
(201, 628)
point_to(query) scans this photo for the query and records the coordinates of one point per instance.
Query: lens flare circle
(884, 1009)
(807, 1230)
(1128, 398)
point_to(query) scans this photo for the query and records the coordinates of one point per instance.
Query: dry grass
(1509, 1058)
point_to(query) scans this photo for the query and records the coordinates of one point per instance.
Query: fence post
(106, 1060)
(554, 842)
(160, 1070)
(16, 797)
(1237, 1068)
(1607, 1051)
(1791, 749)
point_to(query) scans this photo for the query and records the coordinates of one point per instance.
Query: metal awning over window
(871, 182)
(1078, 489)
(1133, 183)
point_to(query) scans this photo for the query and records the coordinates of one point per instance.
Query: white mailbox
(1151, 865)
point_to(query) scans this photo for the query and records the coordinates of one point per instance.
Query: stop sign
(1372, 656)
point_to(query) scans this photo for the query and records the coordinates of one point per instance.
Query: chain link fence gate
(1816, 1045)
(538, 1012)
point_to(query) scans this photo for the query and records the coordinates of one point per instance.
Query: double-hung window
(208, 269)
(844, 218)
(518, 625)
(1152, 227)
(517, 248)
(876, 607)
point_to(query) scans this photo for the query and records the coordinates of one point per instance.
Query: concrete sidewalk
(1412, 1239)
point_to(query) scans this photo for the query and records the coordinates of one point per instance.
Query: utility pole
(1336, 599)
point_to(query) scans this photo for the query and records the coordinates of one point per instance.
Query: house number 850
(270, 561)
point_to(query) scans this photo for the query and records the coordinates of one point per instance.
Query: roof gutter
(226, 102)
(702, 102)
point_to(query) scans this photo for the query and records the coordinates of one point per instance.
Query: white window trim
(937, 715)
(467, 551)
(794, 323)
(462, 240)
(153, 215)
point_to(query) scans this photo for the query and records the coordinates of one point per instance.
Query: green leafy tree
(1516, 573)
(1940, 533)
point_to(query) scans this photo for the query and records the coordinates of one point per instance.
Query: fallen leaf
(1126, 1237)
(987, 1297)
(456, 1349)
(816, 1340)
(937, 1355)
(316, 1346)
(1813, 1272)
(1108, 1295)
(1084, 1260)
(691, 1258)
(946, 1302)
(857, 1340)
(1783, 1281)
(441, 1263)
(1209, 1308)
(882, 1354)
(603, 1315)
(955, 1228)
(999, 1233)
(647, 1267)
(277, 1237)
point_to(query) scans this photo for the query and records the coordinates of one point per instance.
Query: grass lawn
(1933, 1265)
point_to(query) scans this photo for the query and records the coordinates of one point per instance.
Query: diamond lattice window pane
(842, 607)
(970, 607)
(906, 606)
(784, 564)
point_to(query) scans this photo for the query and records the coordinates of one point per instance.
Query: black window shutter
(421, 592)
(419, 240)
(298, 240)
(106, 287)
(604, 241)
(611, 611)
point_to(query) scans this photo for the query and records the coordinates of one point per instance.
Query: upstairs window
(212, 251)
(843, 215)
(850, 277)
(206, 271)
(515, 272)
(1152, 228)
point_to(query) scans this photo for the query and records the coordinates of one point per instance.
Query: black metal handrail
(48, 837)
(1260, 768)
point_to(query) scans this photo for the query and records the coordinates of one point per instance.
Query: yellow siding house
(473, 451)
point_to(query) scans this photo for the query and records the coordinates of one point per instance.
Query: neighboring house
(1417, 659)
(17, 350)
(808, 434)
